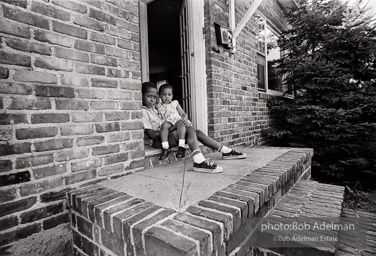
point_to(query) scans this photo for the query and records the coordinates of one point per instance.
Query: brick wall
(237, 111)
(70, 104)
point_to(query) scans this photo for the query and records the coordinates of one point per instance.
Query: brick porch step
(106, 221)
(313, 207)
(319, 204)
(362, 242)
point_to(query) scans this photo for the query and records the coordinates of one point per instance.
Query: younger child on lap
(174, 118)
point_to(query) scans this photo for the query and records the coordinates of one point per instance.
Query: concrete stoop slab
(123, 217)
(176, 187)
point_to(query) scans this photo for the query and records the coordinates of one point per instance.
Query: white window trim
(270, 26)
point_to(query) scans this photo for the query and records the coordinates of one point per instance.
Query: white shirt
(151, 118)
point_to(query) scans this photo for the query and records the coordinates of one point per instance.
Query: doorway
(173, 51)
(164, 44)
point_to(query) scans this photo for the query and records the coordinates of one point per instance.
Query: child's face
(166, 95)
(150, 98)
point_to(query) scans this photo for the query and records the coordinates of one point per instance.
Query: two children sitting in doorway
(167, 125)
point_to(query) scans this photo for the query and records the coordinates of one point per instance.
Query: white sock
(198, 157)
(165, 145)
(181, 143)
(224, 149)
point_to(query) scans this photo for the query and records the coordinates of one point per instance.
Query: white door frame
(144, 39)
(197, 59)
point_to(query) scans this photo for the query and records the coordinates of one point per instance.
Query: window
(267, 52)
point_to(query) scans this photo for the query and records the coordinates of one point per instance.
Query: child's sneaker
(180, 153)
(164, 154)
(234, 155)
(207, 166)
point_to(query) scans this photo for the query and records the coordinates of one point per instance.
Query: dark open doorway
(164, 43)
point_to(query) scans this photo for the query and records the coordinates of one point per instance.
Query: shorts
(157, 143)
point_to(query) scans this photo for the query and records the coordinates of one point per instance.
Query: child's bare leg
(207, 141)
(164, 134)
(180, 127)
(227, 153)
(192, 139)
(164, 138)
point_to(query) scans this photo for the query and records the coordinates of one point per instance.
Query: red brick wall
(237, 111)
(70, 104)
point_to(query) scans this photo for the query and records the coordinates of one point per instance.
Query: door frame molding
(197, 59)
(144, 48)
(198, 65)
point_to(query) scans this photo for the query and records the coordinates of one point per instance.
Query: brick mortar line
(203, 230)
(124, 220)
(77, 191)
(74, 70)
(227, 205)
(78, 249)
(309, 195)
(216, 211)
(66, 125)
(111, 216)
(40, 221)
(332, 210)
(184, 236)
(131, 236)
(221, 225)
(99, 245)
(253, 198)
(95, 206)
(82, 183)
(68, 166)
(77, 214)
(170, 217)
(87, 199)
(125, 172)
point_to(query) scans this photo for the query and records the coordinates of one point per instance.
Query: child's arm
(183, 115)
(181, 112)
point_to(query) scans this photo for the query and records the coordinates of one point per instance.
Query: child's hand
(186, 122)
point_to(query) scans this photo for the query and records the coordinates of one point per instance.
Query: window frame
(268, 26)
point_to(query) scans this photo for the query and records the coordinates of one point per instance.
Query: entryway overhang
(286, 4)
